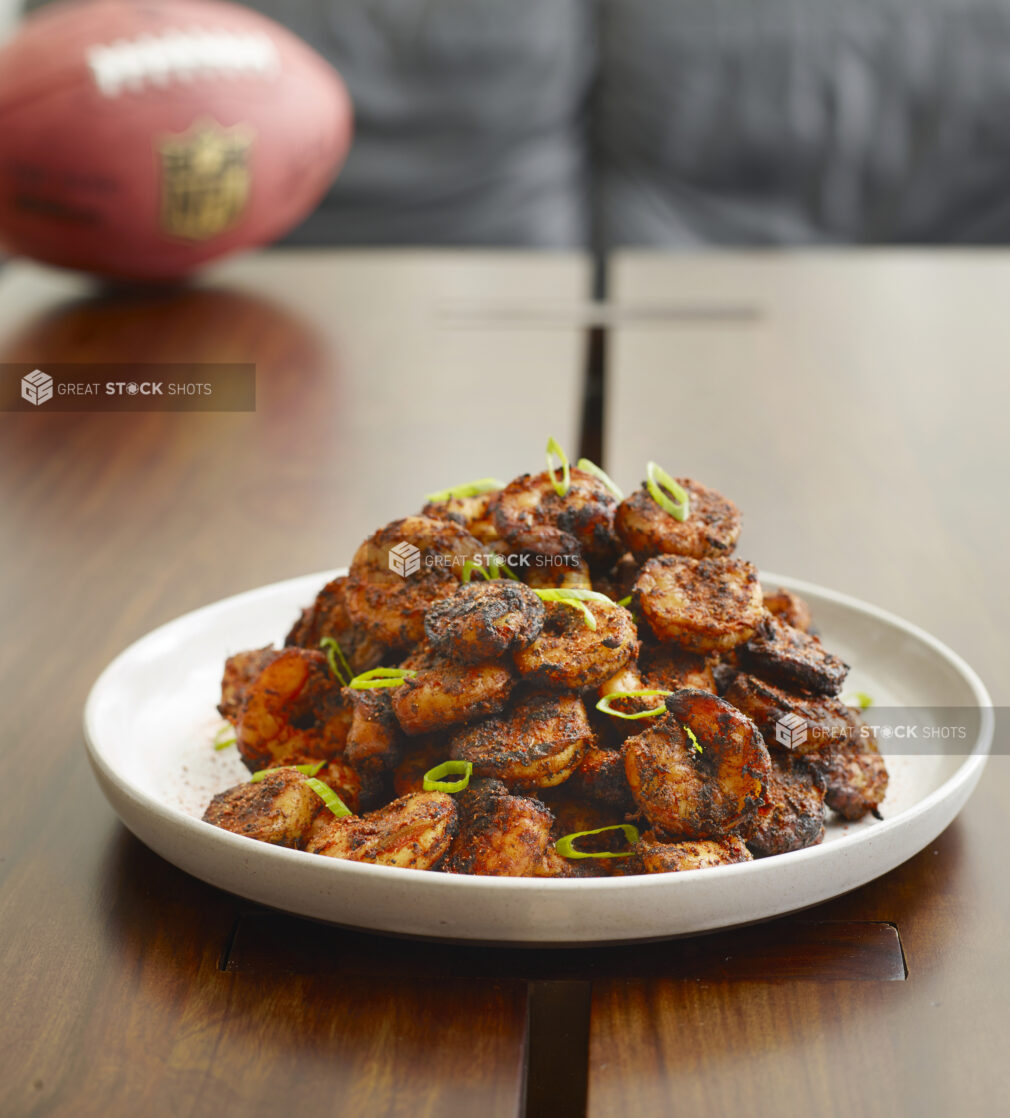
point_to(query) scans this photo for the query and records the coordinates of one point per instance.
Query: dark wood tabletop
(854, 412)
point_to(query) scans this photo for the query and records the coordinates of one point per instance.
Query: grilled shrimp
(423, 754)
(484, 620)
(792, 815)
(570, 655)
(601, 777)
(391, 606)
(654, 856)
(791, 658)
(472, 513)
(854, 772)
(668, 667)
(278, 809)
(710, 529)
(413, 832)
(537, 744)
(374, 742)
(444, 694)
(573, 574)
(705, 605)
(815, 719)
(619, 581)
(530, 516)
(328, 617)
(689, 793)
(790, 608)
(239, 671)
(500, 835)
(293, 708)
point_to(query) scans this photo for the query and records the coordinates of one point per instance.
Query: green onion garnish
(469, 567)
(310, 768)
(560, 487)
(565, 845)
(656, 476)
(380, 677)
(625, 602)
(694, 741)
(432, 783)
(467, 489)
(333, 650)
(604, 704)
(859, 699)
(589, 467)
(222, 742)
(500, 567)
(329, 797)
(575, 599)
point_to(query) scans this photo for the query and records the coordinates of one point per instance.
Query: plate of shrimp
(540, 712)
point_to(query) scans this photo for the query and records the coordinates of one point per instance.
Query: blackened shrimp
(601, 777)
(529, 515)
(854, 773)
(536, 744)
(711, 527)
(792, 658)
(668, 667)
(789, 607)
(654, 856)
(483, 620)
(278, 809)
(399, 571)
(698, 771)
(413, 832)
(472, 513)
(705, 605)
(569, 654)
(792, 815)
(500, 835)
(374, 742)
(328, 617)
(294, 708)
(239, 671)
(792, 720)
(443, 693)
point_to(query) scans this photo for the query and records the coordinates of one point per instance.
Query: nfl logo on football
(37, 387)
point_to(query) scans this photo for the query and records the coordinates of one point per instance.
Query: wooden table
(828, 412)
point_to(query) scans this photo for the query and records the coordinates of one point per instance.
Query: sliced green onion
(656, 476)
(333, 650)
(380, 677)
(310, 768)
(588, 467)
(603, 706)
(575, 599)
(432, 783)
(859, 699)
(467, 489)
(221, 742)
(694, 741)
(560, 487)
(625, 602)
(565, 845)
(329, 797)
(469, 567)
(500, 567)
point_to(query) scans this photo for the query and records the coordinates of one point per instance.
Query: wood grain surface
(858, 420)
(856, 414)
(113, 1000)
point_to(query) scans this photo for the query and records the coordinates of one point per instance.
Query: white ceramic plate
(150, 718)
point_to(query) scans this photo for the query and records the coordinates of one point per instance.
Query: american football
(140, 140)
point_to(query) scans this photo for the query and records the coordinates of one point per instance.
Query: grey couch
(666, 122)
